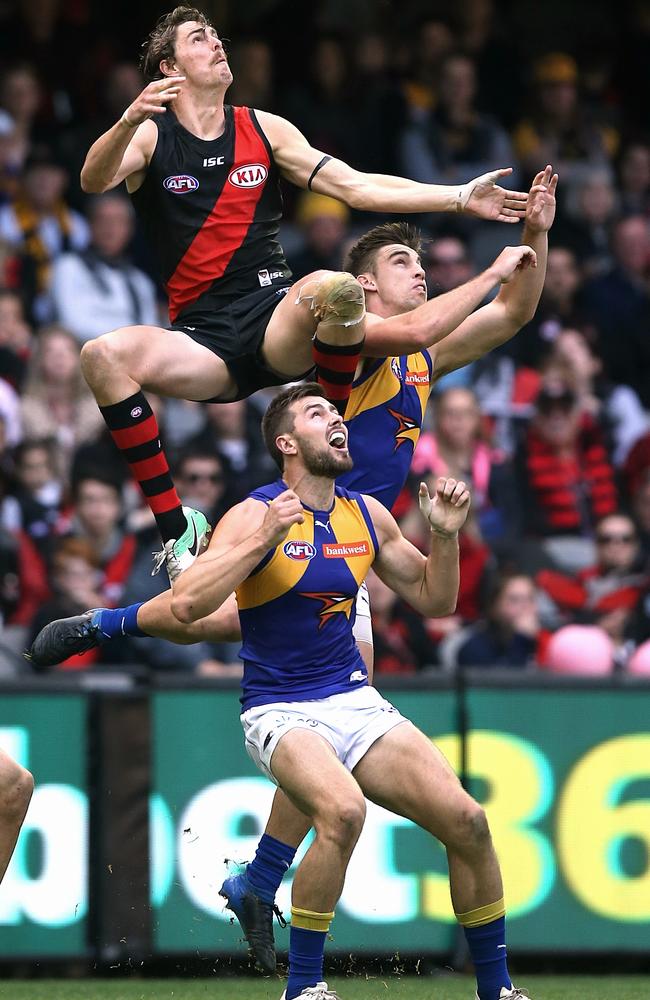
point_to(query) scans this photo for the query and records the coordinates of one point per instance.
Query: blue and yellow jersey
(384, 416)
(297, 607)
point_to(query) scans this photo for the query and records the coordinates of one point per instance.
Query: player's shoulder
(267, 493)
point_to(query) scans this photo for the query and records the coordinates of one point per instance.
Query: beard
(328, 464)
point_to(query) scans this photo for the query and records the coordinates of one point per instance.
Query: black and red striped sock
(335, 368)
(135, 431)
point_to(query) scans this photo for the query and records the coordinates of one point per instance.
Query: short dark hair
(279, 419)
(160, 44)
(362, 254)
(95, 474)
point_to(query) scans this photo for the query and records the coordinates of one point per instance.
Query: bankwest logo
(417, 378)
(343, 550)
(249, 176)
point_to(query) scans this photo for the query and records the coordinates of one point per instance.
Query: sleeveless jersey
(211, 211)
(384, 417)
(297, 607)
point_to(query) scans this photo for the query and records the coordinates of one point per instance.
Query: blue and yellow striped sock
(485, 931)
(306, 948)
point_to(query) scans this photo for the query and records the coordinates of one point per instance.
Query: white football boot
(317, 992)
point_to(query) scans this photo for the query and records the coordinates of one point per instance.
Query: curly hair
(161, 42)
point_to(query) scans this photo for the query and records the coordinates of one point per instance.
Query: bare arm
(429, 584)
(383, 193)
(517, 301)
(436, 319)
(241, 539)
(124, 152)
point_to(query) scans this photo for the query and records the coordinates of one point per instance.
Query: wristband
(125, 121)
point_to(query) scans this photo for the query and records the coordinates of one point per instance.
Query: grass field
(353, 988)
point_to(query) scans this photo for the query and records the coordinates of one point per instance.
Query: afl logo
(249, 176)
(300, 551)
(180, 183)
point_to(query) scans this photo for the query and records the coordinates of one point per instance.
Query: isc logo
(299, 550)
(250, 176)
(180, 183)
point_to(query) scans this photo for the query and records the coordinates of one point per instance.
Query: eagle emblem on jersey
(407, 429)
(332, 604)
(396, 368)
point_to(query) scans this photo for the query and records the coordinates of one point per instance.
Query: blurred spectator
(458, 448)
(40, 224)
(96, 517)
(9, 416)
(618, 303)
(251, 61)
(640, 505)
(435, 40)
(401, 643)
(447, 265)
(634, 175)
(609, 593)
(454, 142)
(99, 289)
(557, 130)
(76, 586)
(245, 459)
(20, 101)
(380, 105)
(567, 481)
(557, 310)
(15, 338)
(56, 399)
(591, 207)
(119, 88)
(510, 634)
(320, 106)
(485, 36)
(38, 489)
(323, 221)
(616, 407)
(201, 483)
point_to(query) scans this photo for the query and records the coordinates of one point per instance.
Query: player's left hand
(540, 210)
(484, 198)
(447, 510)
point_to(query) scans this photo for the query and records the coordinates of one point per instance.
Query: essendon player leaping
(204, 181)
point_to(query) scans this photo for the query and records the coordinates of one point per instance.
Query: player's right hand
(281, 513)
(511, 260)
(153, 99)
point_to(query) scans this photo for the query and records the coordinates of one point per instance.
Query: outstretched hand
(447, 510)
(484, 198)
(540, 210)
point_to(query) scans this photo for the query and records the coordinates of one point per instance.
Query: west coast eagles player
(296, 552)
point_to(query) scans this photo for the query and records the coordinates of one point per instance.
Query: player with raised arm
(204, 176)
(296, 552)
(384, 417)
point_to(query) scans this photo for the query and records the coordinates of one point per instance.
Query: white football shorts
(350, 722)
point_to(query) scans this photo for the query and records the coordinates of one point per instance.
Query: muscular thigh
(287, 342)
(407, 774)
(307, 770)
(170, 363)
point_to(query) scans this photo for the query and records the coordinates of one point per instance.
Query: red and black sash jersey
(211, 210)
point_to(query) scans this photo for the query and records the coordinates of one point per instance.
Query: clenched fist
(281, 513)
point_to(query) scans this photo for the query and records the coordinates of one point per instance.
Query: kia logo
(180, 183)
(249, 176)
(299, 550)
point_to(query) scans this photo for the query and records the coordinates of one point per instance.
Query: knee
(471, 832)
(99, 357)
(343, 822)
(16, 787)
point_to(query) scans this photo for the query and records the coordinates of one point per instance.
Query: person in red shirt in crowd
(401, 643)
(611, 592)
(567, 479)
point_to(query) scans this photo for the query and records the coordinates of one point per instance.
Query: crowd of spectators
(552, 431)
